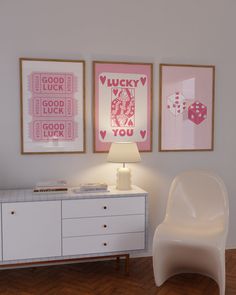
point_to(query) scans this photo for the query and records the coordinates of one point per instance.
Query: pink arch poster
(122, 104)
(186, 107)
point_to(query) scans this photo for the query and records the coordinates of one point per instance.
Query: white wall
(183, 31)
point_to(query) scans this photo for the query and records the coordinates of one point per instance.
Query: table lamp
(123, 152)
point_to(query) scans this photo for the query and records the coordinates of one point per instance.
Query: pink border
(145, 69)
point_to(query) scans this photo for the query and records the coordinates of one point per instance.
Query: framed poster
(52, 106)
(122, 104)
(186, 107)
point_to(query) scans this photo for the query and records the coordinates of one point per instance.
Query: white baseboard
(231, 247)
(142, 254)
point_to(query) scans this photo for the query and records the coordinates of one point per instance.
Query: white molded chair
(193, 234)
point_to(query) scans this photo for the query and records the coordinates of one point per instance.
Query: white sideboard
(44, 228)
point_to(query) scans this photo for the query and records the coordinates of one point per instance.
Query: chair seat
(193, 234)
(195, 237)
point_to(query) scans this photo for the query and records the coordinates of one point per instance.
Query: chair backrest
(198, 197)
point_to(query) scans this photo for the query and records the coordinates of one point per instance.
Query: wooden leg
(117, 262)
(127, 264)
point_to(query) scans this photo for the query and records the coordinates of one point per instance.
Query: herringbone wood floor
(102, 278)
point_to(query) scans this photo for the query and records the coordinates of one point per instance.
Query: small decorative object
(186, 107)
(52, 106)
(122, 104)
(123, 152)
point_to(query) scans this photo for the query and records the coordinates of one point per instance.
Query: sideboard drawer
(103, 225)
(103, 207)
(102, 244)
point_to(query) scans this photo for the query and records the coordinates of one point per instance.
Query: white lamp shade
(123, 152)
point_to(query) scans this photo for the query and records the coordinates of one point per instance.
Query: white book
(93, 186)
(51, 183)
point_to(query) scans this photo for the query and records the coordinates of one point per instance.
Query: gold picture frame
(122, 119)
(52, 95)
(186, 107)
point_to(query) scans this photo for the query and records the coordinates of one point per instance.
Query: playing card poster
(52, 106)
(186, 107)
(122, 104)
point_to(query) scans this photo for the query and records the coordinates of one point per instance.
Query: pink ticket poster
(52, 106)
(122, 104)
(186, 107)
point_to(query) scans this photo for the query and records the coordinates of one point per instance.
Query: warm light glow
(123, 152)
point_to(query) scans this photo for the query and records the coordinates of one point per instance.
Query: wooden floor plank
(102, 278)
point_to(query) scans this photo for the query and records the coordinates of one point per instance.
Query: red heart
(103, 133)
(142, 133)
(115, 91)
(143, 80)
(103, 79)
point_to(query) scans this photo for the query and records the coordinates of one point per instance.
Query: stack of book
(91, 187)
(57, 186)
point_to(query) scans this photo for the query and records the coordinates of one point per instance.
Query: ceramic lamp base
(123, 179)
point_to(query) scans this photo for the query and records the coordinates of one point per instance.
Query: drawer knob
(13, 212)
(104, 207)
(104, 244)
(104, 225)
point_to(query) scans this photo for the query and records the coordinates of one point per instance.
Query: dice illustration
(176, 103)
(197, 112)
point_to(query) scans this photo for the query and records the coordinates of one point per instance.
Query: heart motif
(103, 79)
(115, 91)
(143, 80)
(103, 133)
(143, 133)
(130, 123)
